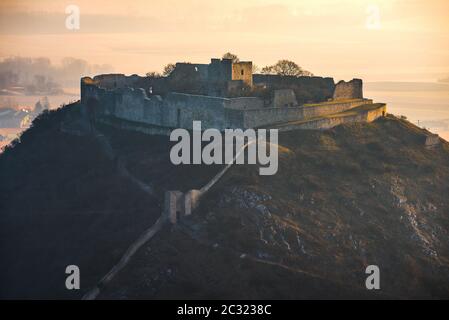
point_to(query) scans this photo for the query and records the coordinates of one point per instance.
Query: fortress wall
(263, 117)
(323, 123)
(116, 80)
(180, 110)
(307, 89)
(125, 103)
(330, 122)
(121, 81)
(134, 105)
(284, 98)
(130, 105)
(266, 116)
(349, 90)
(88, 89)
(243, 103)
(372, 115)
(91, 94)
(330, 107)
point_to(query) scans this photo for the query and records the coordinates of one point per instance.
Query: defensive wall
(179, 110)
(306, 89)
(263, 117)
(348, 90)
(364, 113)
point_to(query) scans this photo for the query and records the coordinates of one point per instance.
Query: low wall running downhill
(178, 204)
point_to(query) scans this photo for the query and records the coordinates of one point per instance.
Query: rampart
(131, 101)
(266, 116)
(306, 89)
(363, 113)
(179, 110)
(348, 90)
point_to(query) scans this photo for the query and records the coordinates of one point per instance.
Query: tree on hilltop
(286, 68)
(233, 57)
(168, 69)
(153, 74)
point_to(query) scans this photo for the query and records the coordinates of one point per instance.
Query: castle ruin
(224, 94)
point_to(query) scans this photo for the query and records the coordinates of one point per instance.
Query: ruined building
(224, 94)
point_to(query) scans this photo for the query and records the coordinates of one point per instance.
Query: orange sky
(410, 41)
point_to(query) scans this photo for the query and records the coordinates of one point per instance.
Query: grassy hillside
(342, 199)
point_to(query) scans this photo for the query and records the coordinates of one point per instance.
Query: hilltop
(344, 198)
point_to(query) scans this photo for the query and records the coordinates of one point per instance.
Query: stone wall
(331, 107)
(178, 110)
(378, 110)
(284, 98)
(349, 90)
(188, 78)
(263, 117)
(244, 103)
(307, 89)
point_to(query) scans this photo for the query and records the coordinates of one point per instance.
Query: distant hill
(343, 199)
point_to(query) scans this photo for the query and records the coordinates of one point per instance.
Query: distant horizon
(375, 40)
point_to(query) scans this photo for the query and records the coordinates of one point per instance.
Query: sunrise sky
(338, 38)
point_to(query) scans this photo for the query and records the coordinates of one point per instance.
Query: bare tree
(233, 57)
(168, 69)
(153, 74)
(286, 68)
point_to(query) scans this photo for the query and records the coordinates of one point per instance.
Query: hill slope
(342, 199)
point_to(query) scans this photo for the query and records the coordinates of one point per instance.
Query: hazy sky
(338, 38)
